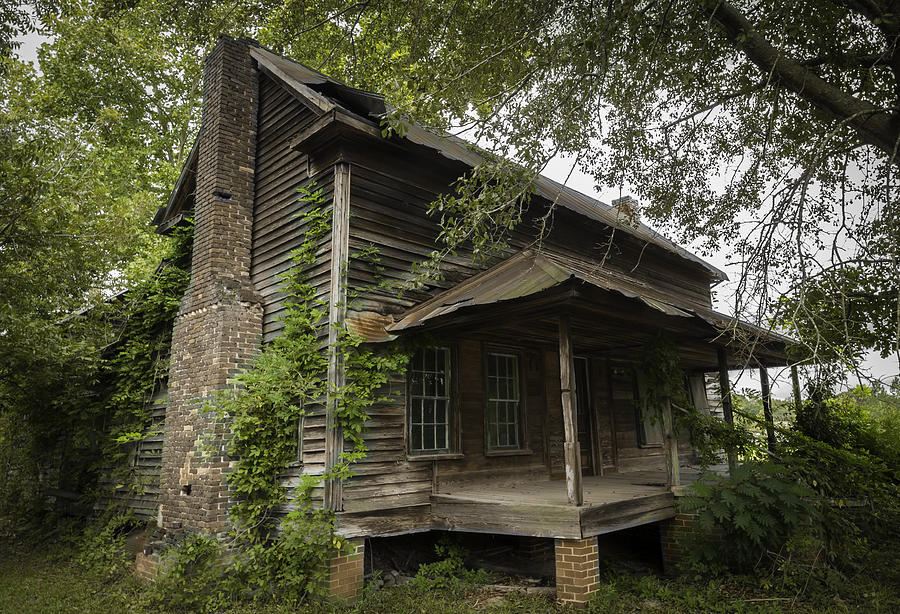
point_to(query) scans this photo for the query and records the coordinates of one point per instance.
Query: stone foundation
(577, 570)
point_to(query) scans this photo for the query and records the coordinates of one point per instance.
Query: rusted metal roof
(525, 274)
(532, 271)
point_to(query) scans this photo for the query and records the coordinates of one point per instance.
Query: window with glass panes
(429, 401)
(504, 405)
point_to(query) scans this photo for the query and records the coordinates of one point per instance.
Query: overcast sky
(561, 169)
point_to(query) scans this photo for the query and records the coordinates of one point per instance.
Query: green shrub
(102, 548)
(450, 572)
(193, 577)
(754, 511)
(291, 566)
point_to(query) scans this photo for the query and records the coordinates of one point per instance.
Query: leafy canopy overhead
(768, 127)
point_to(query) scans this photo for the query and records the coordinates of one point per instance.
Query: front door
(584, 416)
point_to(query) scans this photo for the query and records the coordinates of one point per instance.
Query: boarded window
(429, 401)
(504, 402)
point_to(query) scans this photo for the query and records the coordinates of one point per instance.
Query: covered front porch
(583, 331)
(541, 508)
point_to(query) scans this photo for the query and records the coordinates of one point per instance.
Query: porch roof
(532, 273)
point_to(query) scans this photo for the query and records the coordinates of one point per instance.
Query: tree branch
(875, 126)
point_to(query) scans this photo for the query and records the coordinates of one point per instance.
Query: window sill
(525, 452)
(434, 457)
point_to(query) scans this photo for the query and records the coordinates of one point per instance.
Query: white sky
(559, 170)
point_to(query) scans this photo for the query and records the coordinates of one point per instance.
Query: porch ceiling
(612, 314)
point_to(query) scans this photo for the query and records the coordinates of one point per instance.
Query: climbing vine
(288, 380)
(79, 433)
(663, 379)
(139, 356)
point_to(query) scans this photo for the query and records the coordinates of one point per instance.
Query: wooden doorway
(585, 417)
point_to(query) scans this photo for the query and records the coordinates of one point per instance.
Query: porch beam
(725, 394)
(574, 488)
(767, 407)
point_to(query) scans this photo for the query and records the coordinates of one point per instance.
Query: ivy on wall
(88, 426)
(138, 359)
(287, 555)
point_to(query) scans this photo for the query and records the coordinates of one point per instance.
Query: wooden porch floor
(540, 508)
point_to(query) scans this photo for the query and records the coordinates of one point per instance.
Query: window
(429, 401)
(649, 421)
(504, 402)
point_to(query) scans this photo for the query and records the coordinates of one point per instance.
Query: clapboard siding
(278, 230)
(659, 271)
(277, 227)
(135, 484)
(385, 479)
(391, 216)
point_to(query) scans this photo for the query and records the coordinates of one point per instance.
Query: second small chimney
(628, 210)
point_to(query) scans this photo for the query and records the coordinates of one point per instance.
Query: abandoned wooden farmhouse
(523, 418)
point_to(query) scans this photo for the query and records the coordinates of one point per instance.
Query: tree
(86, 157)
(769, 127)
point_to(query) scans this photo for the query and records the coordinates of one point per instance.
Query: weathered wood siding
(135, 484)
(656, 269)
(389, 222)
(277, 227)
(386, 479)
(278, 230)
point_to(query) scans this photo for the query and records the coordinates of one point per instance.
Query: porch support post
(567, 388)
(673, 473)
(795, 380)
(725, 393)
(767, 407)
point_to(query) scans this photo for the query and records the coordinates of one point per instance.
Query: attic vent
(628, 210)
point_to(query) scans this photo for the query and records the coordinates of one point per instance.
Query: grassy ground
(47, 581)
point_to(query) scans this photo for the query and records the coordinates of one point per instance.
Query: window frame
(644, 418)
(522, 430)
(452, 422)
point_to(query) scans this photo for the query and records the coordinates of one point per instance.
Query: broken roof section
(324, 95)
(180, 205)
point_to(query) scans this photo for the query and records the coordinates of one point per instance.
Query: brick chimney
(219, 323)
(628, 210)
